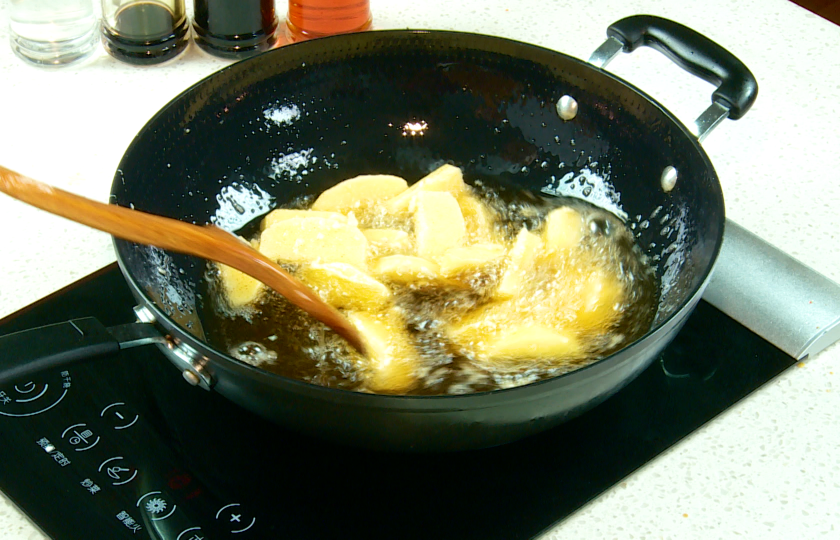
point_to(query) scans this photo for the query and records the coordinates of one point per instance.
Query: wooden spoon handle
(208, 242)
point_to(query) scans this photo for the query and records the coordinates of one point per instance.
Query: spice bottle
(144, 32)
(235, 28)
(318, 18)
(52, 33)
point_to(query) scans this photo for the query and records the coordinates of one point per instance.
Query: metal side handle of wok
(737, 88)
(766, 290)
(28, 352)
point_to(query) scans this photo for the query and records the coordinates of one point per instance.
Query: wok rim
(400, 402)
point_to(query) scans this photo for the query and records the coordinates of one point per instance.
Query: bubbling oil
(277, 337)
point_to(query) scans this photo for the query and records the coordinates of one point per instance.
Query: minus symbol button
(119, 416)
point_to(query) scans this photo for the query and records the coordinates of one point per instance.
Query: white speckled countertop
(769, 467)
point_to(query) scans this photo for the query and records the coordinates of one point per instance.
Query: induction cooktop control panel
(88, 455)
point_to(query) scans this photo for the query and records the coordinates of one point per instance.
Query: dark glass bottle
(235, 28)
(144, 32)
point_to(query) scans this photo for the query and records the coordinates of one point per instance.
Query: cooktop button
(28, 398)
(25, 388)
(80, 437)
(118, 470)
(235, 519)
(119, 416)
(193, 533)
(157, 505)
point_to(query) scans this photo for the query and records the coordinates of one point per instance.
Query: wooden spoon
(209, 242)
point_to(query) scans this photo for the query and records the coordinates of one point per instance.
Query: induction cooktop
(122, 447)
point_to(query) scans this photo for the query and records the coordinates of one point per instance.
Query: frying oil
(277, 337)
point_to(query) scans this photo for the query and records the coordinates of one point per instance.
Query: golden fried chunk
(405, 270)
(446, 178)
(534, 342)
(563, 229)
(240, 289)
(392, 361)
(388, 241)
(345, 286)
(600, 293)
(505, 332)
(282, 214)
(314, 239)
(520, 264)
(480, 325)
(478, 218)
(438, 223)
(359, 192)
(469, 259)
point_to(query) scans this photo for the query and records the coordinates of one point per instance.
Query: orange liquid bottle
(318, 18)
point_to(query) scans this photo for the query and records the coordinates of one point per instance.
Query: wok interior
(299, 120)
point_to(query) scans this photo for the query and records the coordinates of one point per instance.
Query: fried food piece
(406, 270)
(438, 223)
(240, 289)
(392, 360)
(503, 333)
(360, 192)
(314, 239)
(481, 326)
(563, 230)
(282, 214)
(469, 259)
(521, 260)
(527, 343)
(446, 178)
(388, 241)
(344, 286)
(478, 218)
(600, 294)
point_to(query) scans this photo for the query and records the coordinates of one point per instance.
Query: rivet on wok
(669, 178)
(191, 377)
(567, 107)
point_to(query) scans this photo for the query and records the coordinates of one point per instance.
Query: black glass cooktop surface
(124, 448)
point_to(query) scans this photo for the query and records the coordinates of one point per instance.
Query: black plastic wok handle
(737, 88)
(28, 352)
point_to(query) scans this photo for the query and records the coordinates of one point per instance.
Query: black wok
(297, 120)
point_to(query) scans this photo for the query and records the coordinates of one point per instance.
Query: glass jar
(52, 32)
(318, 18)
(144, 31)
(235, 28)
